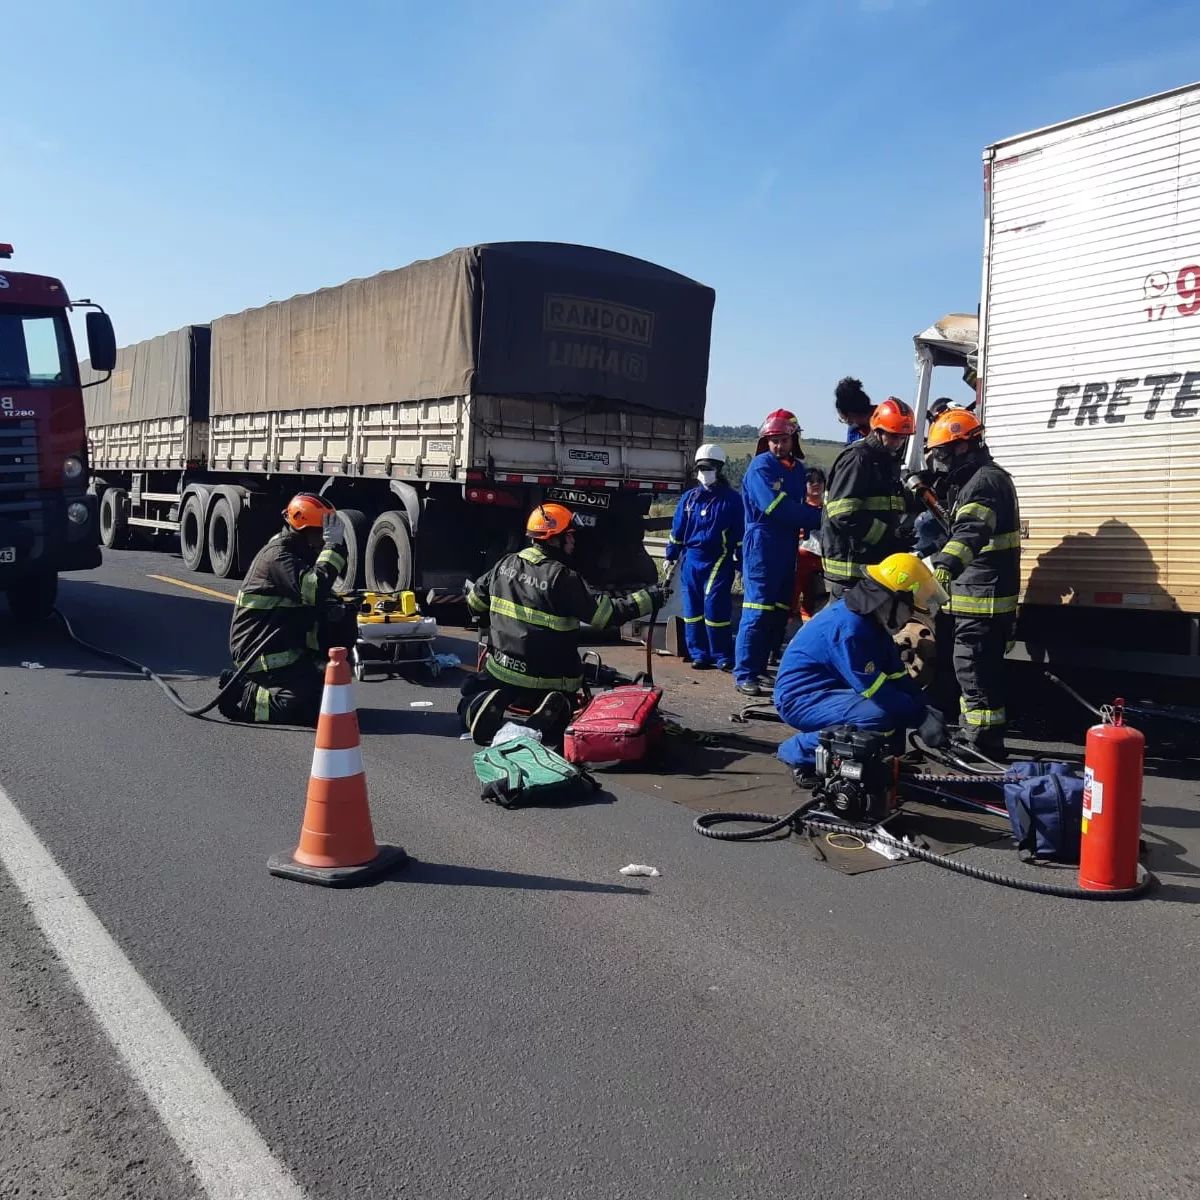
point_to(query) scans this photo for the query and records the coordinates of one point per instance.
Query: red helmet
(894, 416)
(306, 511)
(780, 422)
(548, 520)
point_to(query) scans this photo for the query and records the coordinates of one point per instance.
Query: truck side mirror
(102, 341)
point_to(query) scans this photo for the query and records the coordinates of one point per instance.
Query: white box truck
(434, 405)
(1089, 378)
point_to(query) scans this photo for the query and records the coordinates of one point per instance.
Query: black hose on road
(141, 669)
(777, 828)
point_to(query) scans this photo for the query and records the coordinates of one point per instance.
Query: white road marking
(229, 1157)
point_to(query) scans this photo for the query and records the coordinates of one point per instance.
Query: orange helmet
(954, 425)
(547, 521)
(306, 511)
(894, 416)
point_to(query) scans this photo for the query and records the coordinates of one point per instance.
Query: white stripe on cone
(338, 698)
(337, 764)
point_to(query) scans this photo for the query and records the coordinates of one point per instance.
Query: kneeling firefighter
(980, 566)
(286, 593)
(843, 667)
(707, 531)
(533, 604)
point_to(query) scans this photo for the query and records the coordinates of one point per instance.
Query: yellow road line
(195, 587)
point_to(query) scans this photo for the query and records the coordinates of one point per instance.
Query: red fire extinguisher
(1112, 804)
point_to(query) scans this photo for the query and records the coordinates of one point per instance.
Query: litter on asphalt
(640, 869)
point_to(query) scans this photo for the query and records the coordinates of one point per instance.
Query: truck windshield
(35, 350)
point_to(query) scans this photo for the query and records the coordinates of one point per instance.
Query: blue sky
(818, 163)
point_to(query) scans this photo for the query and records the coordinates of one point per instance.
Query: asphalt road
(510, 1017)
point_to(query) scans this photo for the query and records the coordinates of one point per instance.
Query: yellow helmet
(907, 573)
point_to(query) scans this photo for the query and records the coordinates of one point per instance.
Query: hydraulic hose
(171, 693)
(800, 821)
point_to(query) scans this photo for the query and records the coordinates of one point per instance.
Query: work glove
(657, 595)
(943, 577)
(916, 480)
(333, 532)
(932, 730)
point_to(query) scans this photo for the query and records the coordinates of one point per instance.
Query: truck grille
(19, 497)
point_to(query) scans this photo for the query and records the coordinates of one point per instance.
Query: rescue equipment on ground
(858, 775)
(234, 679)
(337, 845)
(1045, 807)
(523, 772)
(619, 726)
(393, 635)
(1112, 804)
(855, 760)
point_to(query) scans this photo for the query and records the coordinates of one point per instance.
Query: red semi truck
(48, 522)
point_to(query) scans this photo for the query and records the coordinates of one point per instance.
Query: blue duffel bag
(1045, 808)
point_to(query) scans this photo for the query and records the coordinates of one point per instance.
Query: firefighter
(286, 591)
(773, 495)
(866, 502)
(980, 566)
(707, 532)
(533, 603)
(843, 667)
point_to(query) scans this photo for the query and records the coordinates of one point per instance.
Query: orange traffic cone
(337, 844)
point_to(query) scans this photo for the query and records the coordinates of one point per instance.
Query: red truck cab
(48, 521)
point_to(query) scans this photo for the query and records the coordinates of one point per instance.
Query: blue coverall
(842, 668)
(773, 496)
(707, 531)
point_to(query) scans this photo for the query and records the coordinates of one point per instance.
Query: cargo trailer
(434, 405)
(1088, 364)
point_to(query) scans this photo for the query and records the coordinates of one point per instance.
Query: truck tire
(33, 599)
(222, 539)
(357, 527)
(114, 519)
(389, 566)
(193, 534)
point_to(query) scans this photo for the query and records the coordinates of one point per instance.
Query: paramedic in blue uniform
(843, 667)
(773, 495)
(707, 532)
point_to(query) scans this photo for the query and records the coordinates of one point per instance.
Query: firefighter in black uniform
(980, 566)
(533, 604)
(865, 500)
(287, 591)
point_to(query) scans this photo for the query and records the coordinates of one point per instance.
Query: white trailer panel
(1090, 351)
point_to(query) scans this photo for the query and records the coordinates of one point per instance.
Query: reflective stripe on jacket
(283, 590)
(864, 505)
(983, 552)
(534, 604)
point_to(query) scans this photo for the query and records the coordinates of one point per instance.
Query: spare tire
(114, 519)
(193, 534)
(389, 566)
(357, 527)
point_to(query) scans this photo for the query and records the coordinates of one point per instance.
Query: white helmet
(711, 452)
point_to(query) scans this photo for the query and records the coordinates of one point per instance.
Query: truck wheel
(357, 528)
(114, 519)
(222, 539)
(193, 536)
(389, 554)
(33, 599)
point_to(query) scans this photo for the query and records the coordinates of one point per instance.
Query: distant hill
(739, 442)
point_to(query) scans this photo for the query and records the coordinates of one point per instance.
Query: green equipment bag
(524, 771)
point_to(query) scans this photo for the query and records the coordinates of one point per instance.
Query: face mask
(707, 476)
